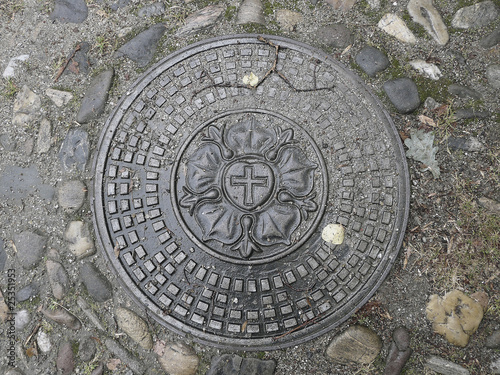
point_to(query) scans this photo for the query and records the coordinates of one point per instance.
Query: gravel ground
(452, 239)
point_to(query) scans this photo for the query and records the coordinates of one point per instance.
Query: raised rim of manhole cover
(216, 176)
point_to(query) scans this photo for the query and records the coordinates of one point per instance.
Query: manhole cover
(216, 175)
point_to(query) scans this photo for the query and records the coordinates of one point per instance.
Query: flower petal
(276, 224)
(250, 137)
(218, 222)
(202, 167)
(296, 171)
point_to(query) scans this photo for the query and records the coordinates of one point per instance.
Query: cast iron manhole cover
(216, 175)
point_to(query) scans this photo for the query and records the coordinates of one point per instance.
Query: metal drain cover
(216, 175)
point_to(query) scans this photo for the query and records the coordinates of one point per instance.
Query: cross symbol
(248, 181)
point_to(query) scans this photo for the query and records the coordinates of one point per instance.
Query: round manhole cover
(216, 176)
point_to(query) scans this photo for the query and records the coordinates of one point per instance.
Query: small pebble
(30, 248)
(87, 349)
(335, 36)
(493, 75)
(372, 60)
(135, 327)
(61, 316)
(491, 40)
(493, 340)
(43, 341)
(445, 367)
(96, 284)
(463, 92)
(58, 278)
(80, 242)
(475, 16)
(151, 10)
(357, 344)
(71, 195)
(250, 11)
(74, 152)
(179, 359)
(403, 94)
(22, 319)
(29, 291)
(65, 361)
(94, 101)
(69, 11)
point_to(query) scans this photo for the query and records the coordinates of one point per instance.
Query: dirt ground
(451, 242)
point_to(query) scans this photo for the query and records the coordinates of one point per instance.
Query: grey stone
(135, 327)
(133, 363)
(178, 359)
(444, 367)
(495, 366)
(477, 15)
(27, 292)
(87, 349)
(229, 364)
(71, 195)
(59, 97)
(342, 5)
(403, 94)
(466, 144)
(155, 9)
(69, 11)
(17, 183)
(491, 40)
(63, 317)
(201, 20)
(463, 92)
(372, 60)
(30, 248)
(119, 4)
(74, 151)
(22, 318)
(142, 48)
(431, 104)
(96, 284)
(80, 242)
(7, 142)
(374, 4)
(94, 101)
(424, 13)
(468, 113)
(58, 278)
(44, 139)
(493, 75)
(26, 107)
(251, 12)
(3, 255)
(357, 344)
(399, 352)
(493, 340)
(78, 62)
(335, 36)
(490, 204)
(65, 361)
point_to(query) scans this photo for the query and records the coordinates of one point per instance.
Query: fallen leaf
(427, 121)
(113, 364)
(251, 80)
(244, 326)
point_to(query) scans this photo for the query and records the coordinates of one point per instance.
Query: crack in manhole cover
(216, 175)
